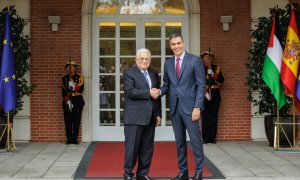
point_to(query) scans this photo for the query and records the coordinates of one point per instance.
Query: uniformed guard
(72, 88)
(214, 80)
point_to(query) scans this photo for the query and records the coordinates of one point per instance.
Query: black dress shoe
(143, 178)
(127, 177)
(182, 176)
(197, 177)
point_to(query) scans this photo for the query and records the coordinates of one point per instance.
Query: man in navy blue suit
(184, 79)
(141, 114)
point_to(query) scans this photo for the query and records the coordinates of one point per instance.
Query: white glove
(71, 85)
(207, 96)
(209, 71)
(70, 105)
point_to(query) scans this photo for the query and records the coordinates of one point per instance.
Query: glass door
(116, 43)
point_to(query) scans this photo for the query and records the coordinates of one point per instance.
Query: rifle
(70, 91)
(209, 84)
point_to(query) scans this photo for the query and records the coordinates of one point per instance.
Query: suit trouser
(72, 121)
(139, 145)
(210, 120)
(182, 122)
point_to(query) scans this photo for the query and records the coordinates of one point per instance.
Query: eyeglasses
(143, 59)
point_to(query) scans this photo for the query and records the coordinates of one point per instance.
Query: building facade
(102, 36)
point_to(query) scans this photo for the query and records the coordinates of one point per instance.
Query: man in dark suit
(184, 79)
(141, 114)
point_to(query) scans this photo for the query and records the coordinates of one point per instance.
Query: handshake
(154, 93)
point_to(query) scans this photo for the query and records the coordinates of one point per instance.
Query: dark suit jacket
(189, 89)
(139, 106)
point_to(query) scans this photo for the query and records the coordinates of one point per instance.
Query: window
(140, 7)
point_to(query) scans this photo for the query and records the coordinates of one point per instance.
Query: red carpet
(107, 161)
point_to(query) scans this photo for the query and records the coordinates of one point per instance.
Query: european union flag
(8, 85)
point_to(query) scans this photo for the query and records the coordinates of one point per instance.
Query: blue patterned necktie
(147, 78)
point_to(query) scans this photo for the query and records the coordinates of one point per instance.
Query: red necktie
(178, 67)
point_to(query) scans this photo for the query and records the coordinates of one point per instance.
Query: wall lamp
(226, 20)
(54, 20)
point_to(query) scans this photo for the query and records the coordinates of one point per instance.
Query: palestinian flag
(272, 65)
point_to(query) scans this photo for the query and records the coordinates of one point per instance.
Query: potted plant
(21, 57)
(259, 93)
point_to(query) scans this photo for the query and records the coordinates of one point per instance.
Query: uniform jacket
(74, 95)
(214, 82)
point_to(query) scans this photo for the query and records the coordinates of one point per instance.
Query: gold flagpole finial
(7, 5)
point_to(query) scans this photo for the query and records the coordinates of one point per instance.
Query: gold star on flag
(13, 77)
(4, 41)
(6, 79)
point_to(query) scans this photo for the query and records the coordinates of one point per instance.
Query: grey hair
(145, 50)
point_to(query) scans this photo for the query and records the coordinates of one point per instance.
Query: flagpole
(70, 79)
(10, 142)
(294, 116)
(276, 131)
(209, 67)
(7, 5)
(294, 121)
(277, 128)
(8, 133)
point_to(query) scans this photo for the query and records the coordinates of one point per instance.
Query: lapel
(141, 76)
(151, 77)
(173, 69)
(183, 64)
